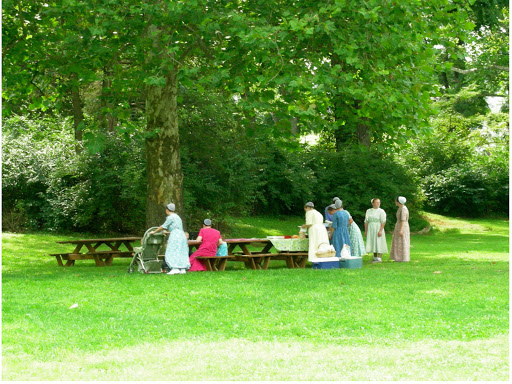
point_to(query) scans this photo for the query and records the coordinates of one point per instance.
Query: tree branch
(467, 71)
(464, 71)
(201, 43)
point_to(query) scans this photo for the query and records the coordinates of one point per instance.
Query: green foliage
(51, 187)
(463, 166)
(468, 190)
(357, 176)
(34, 161)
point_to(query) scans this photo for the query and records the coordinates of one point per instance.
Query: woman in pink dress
(210, 238)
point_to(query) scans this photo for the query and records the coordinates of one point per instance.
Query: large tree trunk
(163, 169)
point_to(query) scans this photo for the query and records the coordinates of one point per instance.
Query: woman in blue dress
(340, 237)
(176, 253)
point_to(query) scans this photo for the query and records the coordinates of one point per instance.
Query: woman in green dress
(374, 223)
(176, 253)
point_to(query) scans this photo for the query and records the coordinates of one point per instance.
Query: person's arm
(382, 222)
(366, 224)
(309, 220)
(350, 221)
(199, 237)
(403, 218)
(219, 243)
(381, 228)
(158, 229)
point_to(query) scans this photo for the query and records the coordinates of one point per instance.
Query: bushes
(463, 166)
(357, 176)
(46, 185)
(471, 190)
(33, 162)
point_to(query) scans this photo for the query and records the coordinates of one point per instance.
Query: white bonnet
(171, 207)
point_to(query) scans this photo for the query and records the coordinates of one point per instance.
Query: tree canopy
(358, 72)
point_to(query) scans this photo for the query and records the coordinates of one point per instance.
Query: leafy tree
(355, 68)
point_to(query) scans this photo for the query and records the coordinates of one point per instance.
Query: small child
(222, 249)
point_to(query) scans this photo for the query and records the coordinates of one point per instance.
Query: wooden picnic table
(260, 259)
(238, 250)
(88, 249)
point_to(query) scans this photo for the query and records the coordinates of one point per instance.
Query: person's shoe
(183, 271)
(174, 271)
(379, 260)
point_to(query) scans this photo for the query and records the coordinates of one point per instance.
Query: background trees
(203, 102)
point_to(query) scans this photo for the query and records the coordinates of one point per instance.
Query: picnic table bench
(101, 257)
(238, 250)
(253, 259)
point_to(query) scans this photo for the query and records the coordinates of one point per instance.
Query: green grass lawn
(443, 316)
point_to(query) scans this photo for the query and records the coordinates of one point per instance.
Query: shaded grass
(382, 310)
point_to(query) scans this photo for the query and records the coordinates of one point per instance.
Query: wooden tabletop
(134, 238)
(246, 241)
(83, 241)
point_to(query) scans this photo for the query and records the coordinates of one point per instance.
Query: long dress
(208, 247)
(317, 233)
(176, 253)
(340, 237)
(375, 244)
(401, 245)
(356, 239)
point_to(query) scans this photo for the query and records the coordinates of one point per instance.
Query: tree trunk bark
(363, 134)
(78, 115)
(163, 169)
(294, 122)
(107, 119)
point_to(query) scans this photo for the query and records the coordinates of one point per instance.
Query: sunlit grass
(443, 316)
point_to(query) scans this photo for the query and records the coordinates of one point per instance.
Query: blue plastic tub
(351, 263)
(326, 265)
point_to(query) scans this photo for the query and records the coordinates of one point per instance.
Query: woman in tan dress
(401, 243)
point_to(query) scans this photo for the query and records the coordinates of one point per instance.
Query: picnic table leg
(70, 263)
(289, 262)
(222, 264)
(302, 263)
(109, 259)
(267, 248)
(59, 261)
(266, 261)
(99, 262)
(208, 265)
(252, 264)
